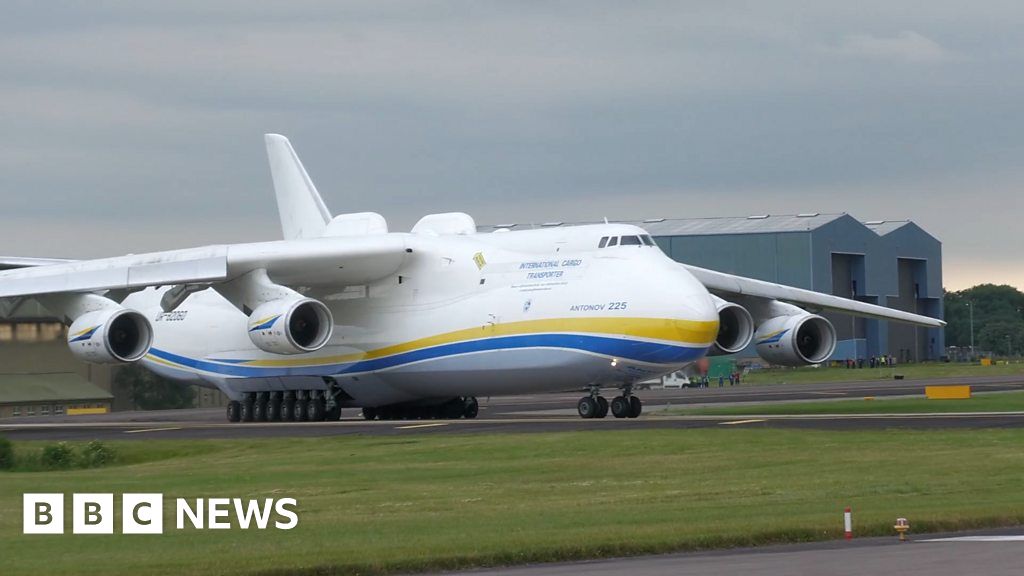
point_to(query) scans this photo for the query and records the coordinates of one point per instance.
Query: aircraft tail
(302, 210)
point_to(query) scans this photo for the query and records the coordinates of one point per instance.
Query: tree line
(998, 318)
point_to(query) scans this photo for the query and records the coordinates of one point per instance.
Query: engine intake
(291, 326)
(796, 340)
(110, 336)
(735, 328)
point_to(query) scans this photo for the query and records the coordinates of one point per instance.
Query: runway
(992, 552)
(535, 413)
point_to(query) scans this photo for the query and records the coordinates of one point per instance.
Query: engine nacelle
(291, 326)
(796, 340)
(110, 336)
(735, 328)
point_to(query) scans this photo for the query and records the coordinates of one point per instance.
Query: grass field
(997, 402)
(371, 505)
(809, 374)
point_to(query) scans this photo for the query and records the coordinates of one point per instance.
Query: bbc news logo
(144, 513)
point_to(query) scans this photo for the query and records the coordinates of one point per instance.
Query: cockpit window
(630, 241)
(604, 242)
(648, 241)
(614, 241)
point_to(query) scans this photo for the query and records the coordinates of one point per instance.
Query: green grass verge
(807, 375)
(997, 402)
(380, 504)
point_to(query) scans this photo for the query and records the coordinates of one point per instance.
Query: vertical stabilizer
(302, 211)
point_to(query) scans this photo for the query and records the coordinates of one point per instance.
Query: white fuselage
(474, 315)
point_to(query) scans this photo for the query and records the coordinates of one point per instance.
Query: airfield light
(615, 362)
(902, 526)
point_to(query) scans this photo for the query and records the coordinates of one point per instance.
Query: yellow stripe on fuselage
(678, 331)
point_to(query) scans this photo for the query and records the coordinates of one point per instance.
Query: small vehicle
(676, 380)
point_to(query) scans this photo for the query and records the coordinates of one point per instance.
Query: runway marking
(1017, 538)
(734, 422)
(421, 426)
(152, 430)
(830, 393)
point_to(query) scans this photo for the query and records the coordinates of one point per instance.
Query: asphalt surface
(537, 413)
(993, 553)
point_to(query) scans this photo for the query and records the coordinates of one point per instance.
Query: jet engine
(795, 340)
(110, 336)
(735, 328)
(291, 326)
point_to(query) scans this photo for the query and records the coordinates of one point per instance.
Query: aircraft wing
(309, 263)
(729, 284)
(10, 262)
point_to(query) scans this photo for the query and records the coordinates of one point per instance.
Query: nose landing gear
(595, 406)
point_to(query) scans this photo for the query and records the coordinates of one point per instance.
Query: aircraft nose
(696, 301)
(695, 307)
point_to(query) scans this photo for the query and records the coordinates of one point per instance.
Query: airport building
(892, 263)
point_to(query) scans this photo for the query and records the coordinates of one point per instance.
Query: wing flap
(738, 285)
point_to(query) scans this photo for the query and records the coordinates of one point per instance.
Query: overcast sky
(132, 126)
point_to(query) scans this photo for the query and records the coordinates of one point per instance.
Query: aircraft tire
(234, 411)
(587, 407)
(302, 410)
(471, 408)
(288, 407)
(333, 414)
(602, 407)
(259, 411)
(621, 407)
(635, 407)
(317, 410)
(274, 409)
(369, 413)
(246, 412)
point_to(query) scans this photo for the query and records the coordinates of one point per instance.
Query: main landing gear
(458, 407)
(595, 405)
(300, 406)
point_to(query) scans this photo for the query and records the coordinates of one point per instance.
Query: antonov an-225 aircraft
(415, 325)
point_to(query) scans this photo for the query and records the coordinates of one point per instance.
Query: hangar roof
(56, 387)
(883, 227)
(755, 224)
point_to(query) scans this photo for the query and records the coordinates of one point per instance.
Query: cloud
(119, 116)
(907, 46)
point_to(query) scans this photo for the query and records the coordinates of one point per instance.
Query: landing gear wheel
(288, 410)
(602, 407)
(234, 411)
(587, 407)
(247, 411)
(369, 413)
(302, 410)
(333, 414)
(471, 408)
(259, 411)
(621, 407)
(316, 410)
(635, 406)
(274, 407)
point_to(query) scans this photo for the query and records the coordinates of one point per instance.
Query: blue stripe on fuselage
(621, 348)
